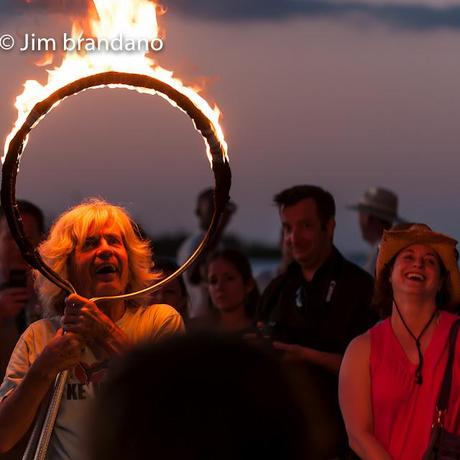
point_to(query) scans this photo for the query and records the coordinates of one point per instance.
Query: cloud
(419, 15)
(14, 7)
(408, 15)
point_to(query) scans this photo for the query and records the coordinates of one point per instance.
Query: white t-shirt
(139, 323)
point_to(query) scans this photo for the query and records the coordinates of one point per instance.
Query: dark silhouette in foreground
(198, 397)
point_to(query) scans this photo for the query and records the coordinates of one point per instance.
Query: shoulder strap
(444, 394)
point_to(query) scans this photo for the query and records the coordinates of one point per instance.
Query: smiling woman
(233, 292)
(391, 376)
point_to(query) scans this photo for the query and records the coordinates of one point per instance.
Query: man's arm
(329, 361)
(19, 409)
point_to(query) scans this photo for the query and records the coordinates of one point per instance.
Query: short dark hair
(324, 201)
(26, 207)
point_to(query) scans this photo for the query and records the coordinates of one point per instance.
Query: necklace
(418, 372)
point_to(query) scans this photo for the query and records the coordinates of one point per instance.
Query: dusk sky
(342, 94)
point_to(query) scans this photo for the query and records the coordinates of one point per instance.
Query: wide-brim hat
(381, 203)
(402, 236)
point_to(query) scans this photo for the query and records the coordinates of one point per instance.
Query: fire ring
(219, 163)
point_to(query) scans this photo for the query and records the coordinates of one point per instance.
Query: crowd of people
(320, 359)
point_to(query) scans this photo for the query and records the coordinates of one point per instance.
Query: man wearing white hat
(378, 211)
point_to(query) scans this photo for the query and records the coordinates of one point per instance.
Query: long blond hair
(71, 229)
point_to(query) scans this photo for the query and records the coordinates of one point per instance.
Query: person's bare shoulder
(358, 352)
(361, 342)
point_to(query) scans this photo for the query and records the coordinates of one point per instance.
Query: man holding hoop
(94, 246)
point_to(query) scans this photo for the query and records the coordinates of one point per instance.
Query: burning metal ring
(220, 167)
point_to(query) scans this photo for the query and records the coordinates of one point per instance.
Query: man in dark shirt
(318, 306)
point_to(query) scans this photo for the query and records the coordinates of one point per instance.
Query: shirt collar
(329, 266)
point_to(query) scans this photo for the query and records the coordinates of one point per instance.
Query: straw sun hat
(402, 236)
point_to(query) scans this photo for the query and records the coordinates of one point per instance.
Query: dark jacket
(325, 313)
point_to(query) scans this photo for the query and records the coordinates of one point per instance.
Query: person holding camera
(18, 303)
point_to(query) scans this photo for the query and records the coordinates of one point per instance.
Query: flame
(45, 60)
(109, 19)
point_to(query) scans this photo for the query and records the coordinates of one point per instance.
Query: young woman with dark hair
(233, 293)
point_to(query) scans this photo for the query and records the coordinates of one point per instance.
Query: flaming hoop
(216, 151)
(82, 71)
(222, 176)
